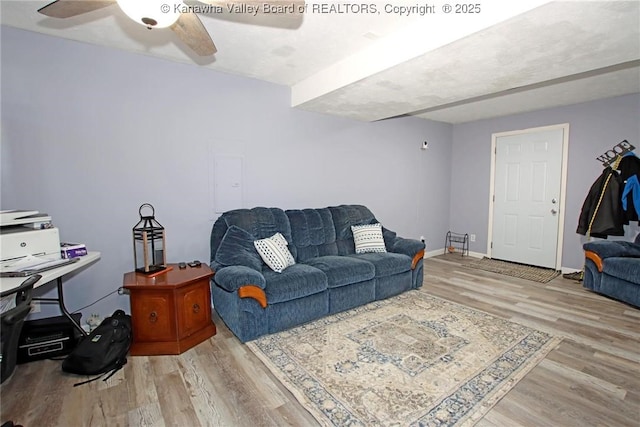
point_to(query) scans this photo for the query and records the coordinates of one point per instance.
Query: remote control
(195, 263)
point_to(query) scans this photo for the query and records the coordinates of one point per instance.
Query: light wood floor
(591, 379)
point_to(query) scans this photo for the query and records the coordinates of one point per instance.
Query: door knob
(554, 211)
(554, 201)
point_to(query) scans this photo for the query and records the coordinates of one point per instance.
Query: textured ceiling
(510, 57)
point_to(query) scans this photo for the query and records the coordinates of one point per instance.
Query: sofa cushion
(274, 252)
(386, 264)
(344, 216)
(236, 248)
(260, 222)
(312, 233)
(389, 237)
(341, 270)
(297, 281)
(623, 268)
(368, 238)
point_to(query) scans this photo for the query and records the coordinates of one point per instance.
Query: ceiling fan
(181, 18)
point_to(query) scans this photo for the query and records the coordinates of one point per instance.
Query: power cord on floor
(120, 291)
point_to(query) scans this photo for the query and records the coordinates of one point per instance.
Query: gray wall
(90, 133)
(595, 127)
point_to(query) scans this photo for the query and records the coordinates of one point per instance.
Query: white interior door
(527, 197)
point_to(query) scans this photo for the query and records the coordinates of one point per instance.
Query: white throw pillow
(274, 252)
(368, 238)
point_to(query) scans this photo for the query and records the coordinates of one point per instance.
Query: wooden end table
(170, 312)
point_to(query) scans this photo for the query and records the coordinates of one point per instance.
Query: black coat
(610, 218)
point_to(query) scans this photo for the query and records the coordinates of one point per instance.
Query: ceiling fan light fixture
(152, 13)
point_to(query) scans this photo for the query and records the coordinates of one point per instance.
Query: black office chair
(11, 325)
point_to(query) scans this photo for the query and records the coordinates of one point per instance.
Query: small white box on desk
(72, 250)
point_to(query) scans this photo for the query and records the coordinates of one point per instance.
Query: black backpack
(104, 351)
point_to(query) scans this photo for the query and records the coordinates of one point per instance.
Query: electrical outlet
(422, 239)
(472, 237)
(93, 321)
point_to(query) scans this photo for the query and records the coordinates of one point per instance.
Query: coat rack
(619, 150)
(608, 158)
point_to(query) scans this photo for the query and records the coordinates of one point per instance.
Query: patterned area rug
(523, 271)
(413, 359)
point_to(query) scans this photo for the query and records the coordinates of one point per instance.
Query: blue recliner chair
(612, 268)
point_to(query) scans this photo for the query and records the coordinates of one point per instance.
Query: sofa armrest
(617, 248)
(234, 277)
(248, 282)
(595, 258)
(410, 247)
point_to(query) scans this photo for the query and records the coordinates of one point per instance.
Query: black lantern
(148, 243)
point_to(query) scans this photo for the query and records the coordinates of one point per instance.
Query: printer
(27, 234)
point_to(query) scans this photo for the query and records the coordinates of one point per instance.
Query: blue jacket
(632, 187)
(629, 167)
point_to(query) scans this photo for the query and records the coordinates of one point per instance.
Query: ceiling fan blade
(275, 7)
(69, 8)
(190, 30)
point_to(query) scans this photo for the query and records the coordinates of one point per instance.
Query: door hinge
(491, 245)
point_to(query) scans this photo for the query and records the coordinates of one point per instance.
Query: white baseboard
(431, 254)
(441, 251)
(477, 254)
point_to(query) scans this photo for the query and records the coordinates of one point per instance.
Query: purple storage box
(72, 250)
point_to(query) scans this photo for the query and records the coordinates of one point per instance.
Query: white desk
(8, 283)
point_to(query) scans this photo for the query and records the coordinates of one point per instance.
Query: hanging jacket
(609, 218)
(629, 167)
(631, 191)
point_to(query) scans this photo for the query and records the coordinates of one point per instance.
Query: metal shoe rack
(457, 242)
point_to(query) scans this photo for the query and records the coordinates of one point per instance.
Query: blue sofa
(612, 268)
(327, 277)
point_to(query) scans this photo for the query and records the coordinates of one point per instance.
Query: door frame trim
(563, 183)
